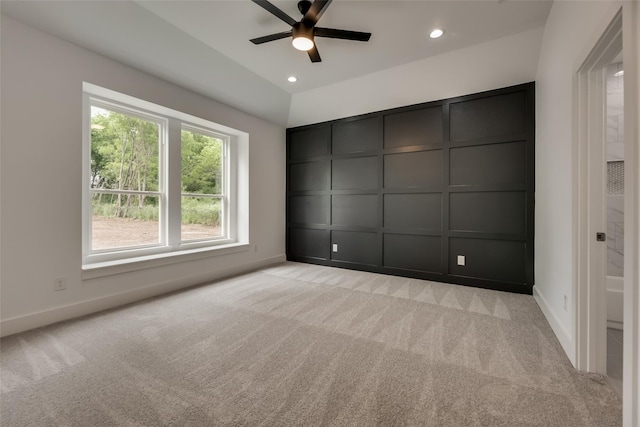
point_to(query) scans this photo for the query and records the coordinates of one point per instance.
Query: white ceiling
(399, 33)
(198, 43)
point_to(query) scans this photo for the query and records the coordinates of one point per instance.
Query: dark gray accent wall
(406, 191)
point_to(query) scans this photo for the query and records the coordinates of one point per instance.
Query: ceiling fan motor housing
(304, 6)
(301, 30)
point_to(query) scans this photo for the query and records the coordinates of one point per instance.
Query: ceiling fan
(303, 32)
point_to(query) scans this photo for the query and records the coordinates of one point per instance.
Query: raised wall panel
(500, 260)
(409, 252)
(413, 170)
(354, 210)
(309, 142)
(355, 247)
(489, 116)
(489, 212)
(404, 191)
(504, 163)
(309, 209)
(356, 136)
(308, 243)
(311, 176)
(415, 127)
(359, 173)
(413, 211)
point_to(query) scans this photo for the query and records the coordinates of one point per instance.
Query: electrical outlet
(566, 303)
(335, 247)
(461, 260)
(60, 284)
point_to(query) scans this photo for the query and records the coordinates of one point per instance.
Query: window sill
(109, 268)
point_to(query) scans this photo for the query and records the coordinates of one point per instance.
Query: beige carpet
(300, 344)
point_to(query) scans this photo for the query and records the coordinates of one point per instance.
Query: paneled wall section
(409, 191)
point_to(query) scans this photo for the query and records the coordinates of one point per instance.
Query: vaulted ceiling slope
(130, 34)
(204, 45)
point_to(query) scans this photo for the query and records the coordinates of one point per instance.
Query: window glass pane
(124, 151)
(122, 220)
(201, 218)
(201, 163)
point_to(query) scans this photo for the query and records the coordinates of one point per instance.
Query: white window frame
(170, 247)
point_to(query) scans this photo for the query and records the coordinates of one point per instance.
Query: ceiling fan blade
(314, 55)
(315, 12)
(341, 34)
(275, 11)
(271, 37)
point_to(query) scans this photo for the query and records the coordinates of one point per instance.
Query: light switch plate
(461, 260)
(335, 247)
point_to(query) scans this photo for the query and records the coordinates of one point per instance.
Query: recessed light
(619, 73)
(436, 34)
(292, 79)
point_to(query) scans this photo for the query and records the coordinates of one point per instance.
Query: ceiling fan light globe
(436, 34)
(302, 43)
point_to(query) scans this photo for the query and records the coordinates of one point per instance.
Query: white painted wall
(499, 63)
(150, 44)
(40, 177)
(570, 34)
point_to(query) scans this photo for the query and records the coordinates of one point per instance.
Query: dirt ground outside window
(110, 233)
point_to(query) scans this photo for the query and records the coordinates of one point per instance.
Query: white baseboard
(58, 314)
(561, 333)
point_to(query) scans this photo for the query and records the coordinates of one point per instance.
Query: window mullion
(173, 183)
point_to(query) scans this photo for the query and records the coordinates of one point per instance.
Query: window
(158, 181)
(125, 190)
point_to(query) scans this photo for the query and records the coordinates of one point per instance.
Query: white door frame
(591, 339)
(623, 32)
(631, 351)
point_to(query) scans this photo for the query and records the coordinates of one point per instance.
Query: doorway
(591, 203)
(614, 202)
(590, 322)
